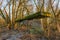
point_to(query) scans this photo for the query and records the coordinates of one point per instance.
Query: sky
(31, 2)
(5, 2)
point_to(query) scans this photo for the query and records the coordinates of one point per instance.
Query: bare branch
(52, 8)
(7, 4)
(57, 7)
(38, 7)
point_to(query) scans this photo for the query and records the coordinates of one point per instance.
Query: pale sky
(31, 2)
(5, 2)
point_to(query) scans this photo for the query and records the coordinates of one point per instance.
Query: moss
(35, 16)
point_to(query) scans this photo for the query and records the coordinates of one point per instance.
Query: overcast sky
(31, 2)
(5, 2)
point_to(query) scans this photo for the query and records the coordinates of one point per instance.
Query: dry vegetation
(14, 9)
